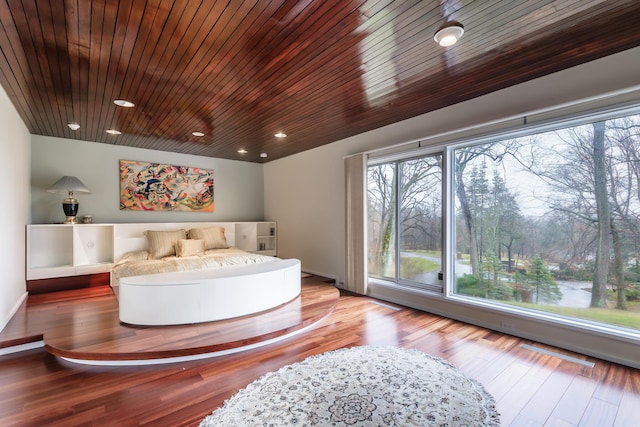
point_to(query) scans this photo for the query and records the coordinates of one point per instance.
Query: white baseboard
(21, 347)
(13, 311)
(319, 273)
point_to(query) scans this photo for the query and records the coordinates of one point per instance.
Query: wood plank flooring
(531, 388)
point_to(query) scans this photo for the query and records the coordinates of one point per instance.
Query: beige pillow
(163, 243)
(190, 247)
(213, 237)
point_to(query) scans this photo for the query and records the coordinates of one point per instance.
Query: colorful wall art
(157, 187)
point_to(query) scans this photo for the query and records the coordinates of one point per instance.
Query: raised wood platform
(90, 332)
(532, 388)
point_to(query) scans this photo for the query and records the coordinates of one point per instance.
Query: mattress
(137, 264)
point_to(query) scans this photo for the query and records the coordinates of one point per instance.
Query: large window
(546, 222)
(551, 221)
(405, 221)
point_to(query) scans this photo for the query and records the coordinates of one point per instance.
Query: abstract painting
(158, 187)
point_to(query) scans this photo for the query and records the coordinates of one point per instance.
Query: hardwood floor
(95, 334)
(531, 388)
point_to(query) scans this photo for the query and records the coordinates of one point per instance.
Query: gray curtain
(355, 172)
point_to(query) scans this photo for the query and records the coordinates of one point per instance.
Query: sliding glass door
(405, 221)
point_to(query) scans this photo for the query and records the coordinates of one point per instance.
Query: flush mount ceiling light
(449, 34)
(73, 126)
(124, 103)
(263, 155)
(280, 135)
(113, 132)
(198, 134)
(242, 151)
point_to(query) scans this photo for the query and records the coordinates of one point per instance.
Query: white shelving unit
(62, 250)
(257, 237)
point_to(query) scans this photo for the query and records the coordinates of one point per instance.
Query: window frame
(446, 148)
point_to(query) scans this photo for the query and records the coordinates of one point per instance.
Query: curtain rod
(525, 117)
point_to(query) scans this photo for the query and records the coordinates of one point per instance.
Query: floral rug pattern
(361, 386)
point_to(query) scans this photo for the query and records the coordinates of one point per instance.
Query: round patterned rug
(361, 386)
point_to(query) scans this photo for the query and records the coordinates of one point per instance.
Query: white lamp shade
(68, 184)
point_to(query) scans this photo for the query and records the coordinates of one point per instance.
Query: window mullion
(397, 222)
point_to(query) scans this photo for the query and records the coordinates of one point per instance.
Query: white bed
(203, 279)
(206, 295)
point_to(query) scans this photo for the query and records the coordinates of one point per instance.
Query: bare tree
(381, 213)
(415, 182)
(577, 171)
(420, 202)
(624, 183)
(465, 159)
(603, 243)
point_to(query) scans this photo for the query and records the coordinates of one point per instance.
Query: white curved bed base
(185, 297)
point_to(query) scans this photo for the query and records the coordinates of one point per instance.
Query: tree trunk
(509, 257)
(468, 220)
(621, 301)
(603, 246)
(388, 249)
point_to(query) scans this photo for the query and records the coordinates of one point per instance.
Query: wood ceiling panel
(18, 27)
(213, 59)
(12, 68)
(239, 71)
(275, 83)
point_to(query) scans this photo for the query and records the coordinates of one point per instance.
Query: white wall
(14, 174)
(305, 192)
(238, 186)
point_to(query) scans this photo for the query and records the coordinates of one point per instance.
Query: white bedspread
(214, 258)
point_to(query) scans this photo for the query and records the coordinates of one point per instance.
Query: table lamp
(69, 184)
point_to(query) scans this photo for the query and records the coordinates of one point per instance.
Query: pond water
(573, 294)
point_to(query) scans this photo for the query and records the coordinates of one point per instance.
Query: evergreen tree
(490, 271)
(542, 281)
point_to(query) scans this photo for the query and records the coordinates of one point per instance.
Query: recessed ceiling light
(263, 155)
(113, 132)
(242, 151)
(280, 135)
(124, 103)
(73, 126)
(197, 134)
(449, 34)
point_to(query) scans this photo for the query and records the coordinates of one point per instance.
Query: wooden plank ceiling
(318, 70)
